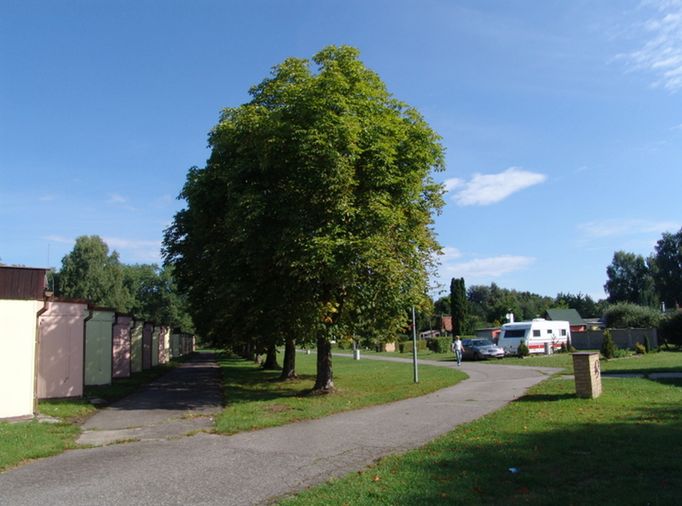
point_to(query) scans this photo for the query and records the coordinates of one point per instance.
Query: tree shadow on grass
(545, 397)
(245, 383)
(586, 463)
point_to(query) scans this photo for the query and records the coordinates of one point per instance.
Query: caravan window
(536, 333)
(563, 332)
(515, 333)
(549, 331)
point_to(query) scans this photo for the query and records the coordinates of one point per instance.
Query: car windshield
(481, 342)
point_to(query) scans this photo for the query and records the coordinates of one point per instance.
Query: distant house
(570, 315)
(445, 324)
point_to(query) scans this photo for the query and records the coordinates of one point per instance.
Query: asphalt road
(257, 467)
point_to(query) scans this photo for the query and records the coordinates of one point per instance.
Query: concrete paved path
(256, 467)
(176, 404)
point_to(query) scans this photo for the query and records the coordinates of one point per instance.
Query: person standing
(457, 349)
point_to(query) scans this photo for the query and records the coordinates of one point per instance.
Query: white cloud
(450, 253)
(135, 250)
(116, 198)
(485, 189)
(485, 268)
(616, 228)
(661, 53)
(59, 239)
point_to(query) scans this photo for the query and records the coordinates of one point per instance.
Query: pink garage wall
(121, 337)
(62, 338)
(147, 332)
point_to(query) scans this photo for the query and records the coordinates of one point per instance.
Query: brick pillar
(587, 374)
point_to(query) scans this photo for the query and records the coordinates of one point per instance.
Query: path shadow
(194, 385)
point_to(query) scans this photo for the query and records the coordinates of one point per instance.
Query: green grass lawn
(255, 400)
(663, 361)
(20, 442)
(622, 448)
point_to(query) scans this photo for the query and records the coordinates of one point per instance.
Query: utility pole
(414, 347)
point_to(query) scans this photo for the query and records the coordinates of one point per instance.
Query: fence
(624, 338)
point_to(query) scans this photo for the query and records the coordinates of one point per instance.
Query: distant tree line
(488, 306)
(90, 272)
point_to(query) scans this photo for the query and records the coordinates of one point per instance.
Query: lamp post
(414, 347)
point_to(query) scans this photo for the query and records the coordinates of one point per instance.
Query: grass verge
(663, 361)
(255, 399)
(548, 447)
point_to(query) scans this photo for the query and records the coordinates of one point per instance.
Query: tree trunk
(289, 366)
(271, 358)
(324, 382)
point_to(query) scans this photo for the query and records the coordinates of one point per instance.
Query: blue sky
(562, 120)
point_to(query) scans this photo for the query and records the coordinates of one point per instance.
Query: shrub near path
(548, 447)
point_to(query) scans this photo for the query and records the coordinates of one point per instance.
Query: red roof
(446, 323)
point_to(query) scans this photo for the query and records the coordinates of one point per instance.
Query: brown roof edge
(93, 307)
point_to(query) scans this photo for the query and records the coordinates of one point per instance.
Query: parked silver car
(479, 349)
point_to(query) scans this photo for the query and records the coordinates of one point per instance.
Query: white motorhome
(535, 334)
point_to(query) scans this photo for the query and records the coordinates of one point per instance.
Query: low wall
(624, 338)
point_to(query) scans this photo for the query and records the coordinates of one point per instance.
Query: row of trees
(148, 291)
(648, 281)
(312, 219)
(488, 305)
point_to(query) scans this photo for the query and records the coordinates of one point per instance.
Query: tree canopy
(667, 268)
(313, 215)
(630, 280)
(91, 273)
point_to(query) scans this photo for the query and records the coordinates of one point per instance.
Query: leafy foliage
(631, 316)
(313, 213)
(670, 328)
(458, 303)
(608, 347)
(667, 268)
(439, 344)
(91, 273)
(630, 280)
(522, 350)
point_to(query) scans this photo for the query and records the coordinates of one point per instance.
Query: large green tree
(90, 272)
(155, 297)
(458, 304)
(630, 280)
(320, 190)
(667, 268)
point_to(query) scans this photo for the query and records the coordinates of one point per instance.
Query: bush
(626, 315)
(640, 349)
(566, 348)
(440, 344)
(608, 347)
(670, 328)
(406, 346)
(621, 353)
(522, 350)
